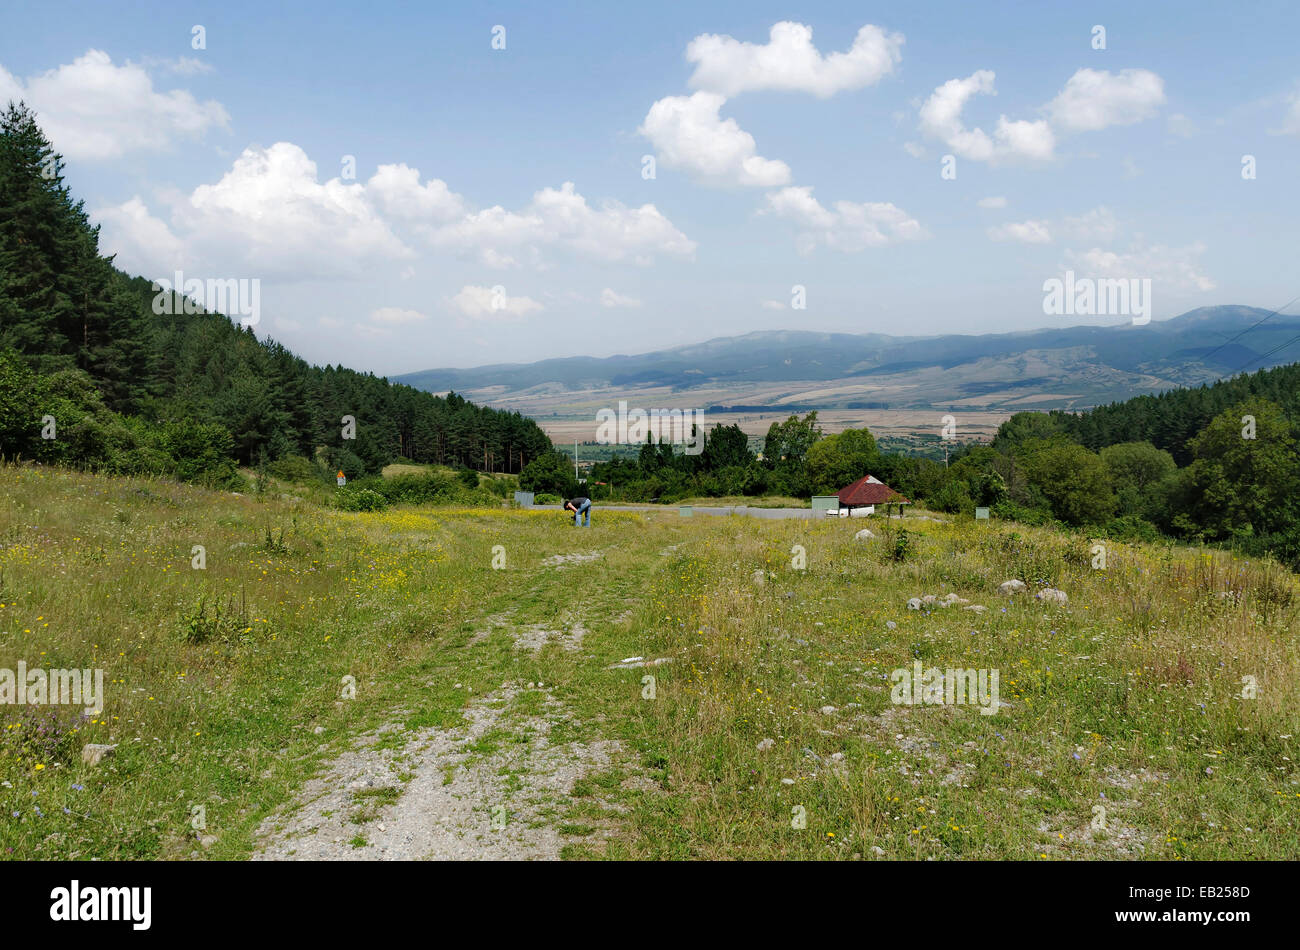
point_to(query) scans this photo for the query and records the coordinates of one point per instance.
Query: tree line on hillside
(189, 394)
(1215, 464)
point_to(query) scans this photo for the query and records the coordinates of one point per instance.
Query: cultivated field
(487, 721)
(886, 424)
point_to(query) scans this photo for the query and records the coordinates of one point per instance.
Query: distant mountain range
(1066, 368)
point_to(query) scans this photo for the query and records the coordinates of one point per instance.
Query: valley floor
(480, 684)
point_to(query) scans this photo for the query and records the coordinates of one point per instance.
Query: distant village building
(861, 497)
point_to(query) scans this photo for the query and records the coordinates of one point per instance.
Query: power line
(1270, 316)
(1275, 349)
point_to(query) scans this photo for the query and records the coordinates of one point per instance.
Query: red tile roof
(869, 490)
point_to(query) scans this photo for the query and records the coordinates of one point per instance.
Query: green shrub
(953, 498)
(360, 499)
(293, 468)
(1131, 528)
(902, 546)
(419, 489)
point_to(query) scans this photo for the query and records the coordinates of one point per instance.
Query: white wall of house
(861, 511)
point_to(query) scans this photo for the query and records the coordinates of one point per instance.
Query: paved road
(718, 510)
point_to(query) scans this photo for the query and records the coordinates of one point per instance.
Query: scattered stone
(93, 753)
(976, 608)
(626, 665)
(864, 535)
(828, 710)
(1050, 595)
(929, 599)
(1011, 587)
(837, 756)
(318, 730)
(891, 625)
(562, 561)
(949, 599)
(878, 851)
(914, 603)
(765, 744)
(208, 841)
(787, 781)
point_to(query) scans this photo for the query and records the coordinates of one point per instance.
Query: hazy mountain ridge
(1067, 367)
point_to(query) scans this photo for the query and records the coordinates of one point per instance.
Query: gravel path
(454, 805)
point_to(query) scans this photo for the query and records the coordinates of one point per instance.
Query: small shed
(862, 497)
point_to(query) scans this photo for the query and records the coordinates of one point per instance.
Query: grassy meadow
(1128, 731)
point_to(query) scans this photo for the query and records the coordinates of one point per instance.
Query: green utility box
(821, 504)
(981, 514)
(687, 511)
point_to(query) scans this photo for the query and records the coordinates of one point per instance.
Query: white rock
(765, 744)
(977, 608)
(1011, 587)
(914, 603)
(828, 710)
(93, 753)
(864, 535)
(1050, 595)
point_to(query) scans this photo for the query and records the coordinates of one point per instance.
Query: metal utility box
(524, 498)
(825, 503)
(686, 511)
(981, 514)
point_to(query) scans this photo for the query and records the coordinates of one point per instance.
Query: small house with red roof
(861, 497)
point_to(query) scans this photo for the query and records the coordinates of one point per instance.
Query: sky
(420, 185)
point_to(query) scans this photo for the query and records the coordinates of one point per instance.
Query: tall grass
(1130, 697)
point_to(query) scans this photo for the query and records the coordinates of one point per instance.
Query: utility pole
(575, 459)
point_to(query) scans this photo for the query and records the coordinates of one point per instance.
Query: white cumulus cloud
(397, 191)
(270, 215)
(610, 298)
(1094, 99)
(1171, 268)
(94, 110)
(1026, 232)
(492, 303)
(941, 119)
(267, 216)
(847, 226)
(562, 217)
(790, 62)
(1091, 99)
(689, 134)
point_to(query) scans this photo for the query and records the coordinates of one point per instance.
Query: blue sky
(780, 160)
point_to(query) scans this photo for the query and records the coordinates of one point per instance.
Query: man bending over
(581, 507)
